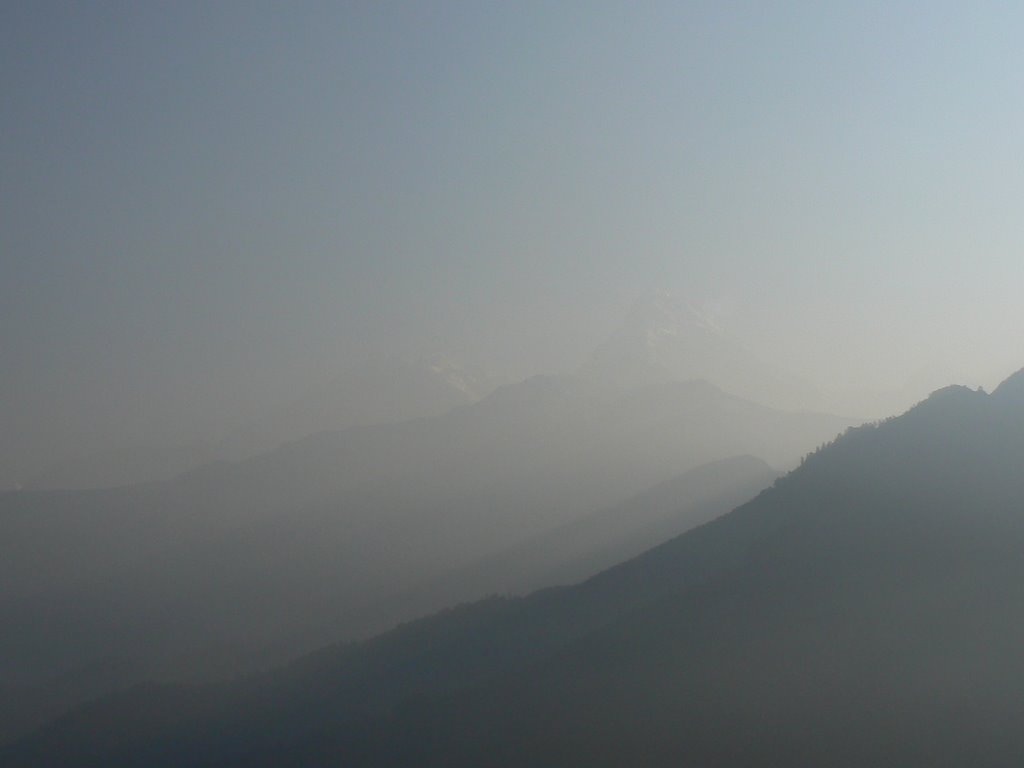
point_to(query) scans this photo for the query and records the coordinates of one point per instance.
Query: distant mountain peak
(663, 314)
(473, 382)
(661, 338)
(666, 338)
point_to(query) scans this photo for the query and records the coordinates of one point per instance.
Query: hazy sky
(207, 207)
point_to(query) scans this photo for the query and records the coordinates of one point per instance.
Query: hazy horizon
(210, 211)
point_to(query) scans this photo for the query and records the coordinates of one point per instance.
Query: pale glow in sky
(208, 208)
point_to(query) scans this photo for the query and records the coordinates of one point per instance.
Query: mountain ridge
(800, 628)
(333, 531)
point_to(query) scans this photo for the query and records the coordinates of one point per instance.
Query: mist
(370, 370)
(211, 212)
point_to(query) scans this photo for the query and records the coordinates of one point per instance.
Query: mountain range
(662, 340)
(867, 609)
(238, 565)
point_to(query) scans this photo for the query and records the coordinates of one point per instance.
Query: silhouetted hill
(868, 609)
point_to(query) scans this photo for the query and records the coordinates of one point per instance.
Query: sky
(208, 208)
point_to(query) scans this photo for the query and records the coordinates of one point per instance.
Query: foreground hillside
(866, 610)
